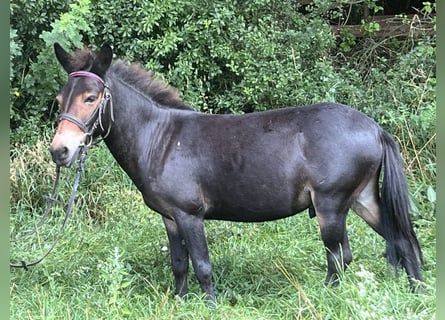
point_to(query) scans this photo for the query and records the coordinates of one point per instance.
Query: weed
(115, 273)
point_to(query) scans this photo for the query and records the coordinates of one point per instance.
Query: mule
(191, 166)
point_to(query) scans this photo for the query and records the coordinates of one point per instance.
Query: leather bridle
(94, 120)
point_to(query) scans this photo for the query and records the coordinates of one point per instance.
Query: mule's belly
(248, 215)
(257, 205)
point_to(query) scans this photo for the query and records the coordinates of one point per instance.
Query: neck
(140, 132)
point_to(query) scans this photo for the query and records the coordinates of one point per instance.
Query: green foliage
(15, 47)
(348, 41)
(32, 101)
(428, 7)
(224, 56)
(374, 7)
(116, 273)
(28, 20)
(402, 100)
(370, 27)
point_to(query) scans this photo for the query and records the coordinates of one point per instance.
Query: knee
(204, 271)
(180, 266)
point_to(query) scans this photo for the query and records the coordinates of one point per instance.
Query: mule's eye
(90, 99)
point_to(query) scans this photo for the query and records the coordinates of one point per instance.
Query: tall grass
(112, 261)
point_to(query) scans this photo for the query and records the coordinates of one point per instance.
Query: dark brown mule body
(191, 166)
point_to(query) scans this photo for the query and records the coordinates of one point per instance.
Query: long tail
(395, 222)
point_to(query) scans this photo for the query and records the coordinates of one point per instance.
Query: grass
(112, 261)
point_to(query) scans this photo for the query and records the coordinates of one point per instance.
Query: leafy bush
(406, 107)
(14, 50)
(37, 79)
(224, 56)
(29, 19)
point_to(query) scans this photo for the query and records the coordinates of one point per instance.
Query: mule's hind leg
(179, 256)
(367, 205)
(332, 220)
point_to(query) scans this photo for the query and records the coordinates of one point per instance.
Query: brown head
(80, 101)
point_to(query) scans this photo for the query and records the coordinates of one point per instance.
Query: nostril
(63, 151)
(58, 153)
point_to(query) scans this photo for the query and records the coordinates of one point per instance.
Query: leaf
(125, 284)
(431, 194)
(126, 311)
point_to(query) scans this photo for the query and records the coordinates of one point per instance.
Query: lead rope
(51, 200)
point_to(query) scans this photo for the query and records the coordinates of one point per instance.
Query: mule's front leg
(192, 230)
(179, 256)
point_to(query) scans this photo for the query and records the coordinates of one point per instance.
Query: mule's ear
(103, 60)
(63, 57)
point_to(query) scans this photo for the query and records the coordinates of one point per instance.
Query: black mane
(138, 77)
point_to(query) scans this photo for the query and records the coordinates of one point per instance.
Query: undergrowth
(112, 261)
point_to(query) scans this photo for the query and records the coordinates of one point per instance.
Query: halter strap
(87, 74)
